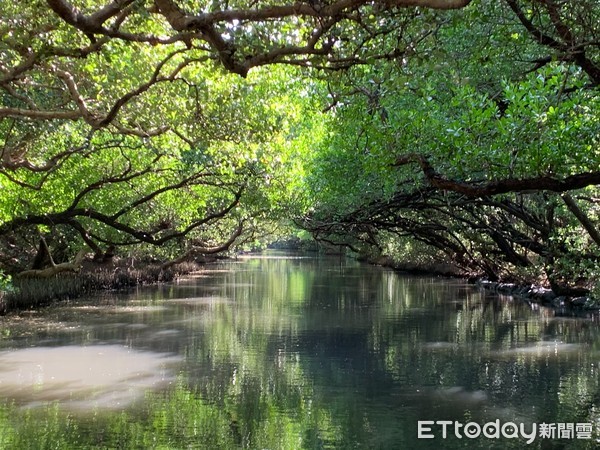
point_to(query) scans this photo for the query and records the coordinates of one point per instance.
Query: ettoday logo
(429, 429)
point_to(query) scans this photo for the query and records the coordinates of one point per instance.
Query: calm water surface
(290, 352)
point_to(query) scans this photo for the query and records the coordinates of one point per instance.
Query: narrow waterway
(289, 352)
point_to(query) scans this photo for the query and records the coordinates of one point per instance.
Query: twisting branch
(565, 42)
(154, 79)
(543, 183)
(55, 269)
(206, 26)
(139, 235)
(582, 217)
(204, 250)
(76, 96)
(40, 114)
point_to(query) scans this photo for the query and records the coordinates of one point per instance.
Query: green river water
(279, 351)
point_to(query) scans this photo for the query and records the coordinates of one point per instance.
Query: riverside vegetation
(430, 133)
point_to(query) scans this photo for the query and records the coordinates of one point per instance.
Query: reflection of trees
(343, 340)
(485, 336)
(306, 354)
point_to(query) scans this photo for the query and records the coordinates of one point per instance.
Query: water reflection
(297, 352)
(83, 377)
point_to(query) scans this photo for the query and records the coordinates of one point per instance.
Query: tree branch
(582, 217)
(54, 269)
(195, 250)
(543, 183)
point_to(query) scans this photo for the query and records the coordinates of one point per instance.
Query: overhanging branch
(483, 189)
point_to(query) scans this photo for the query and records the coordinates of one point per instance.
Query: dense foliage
(476, 149)
(117, 137)
(432, 130)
